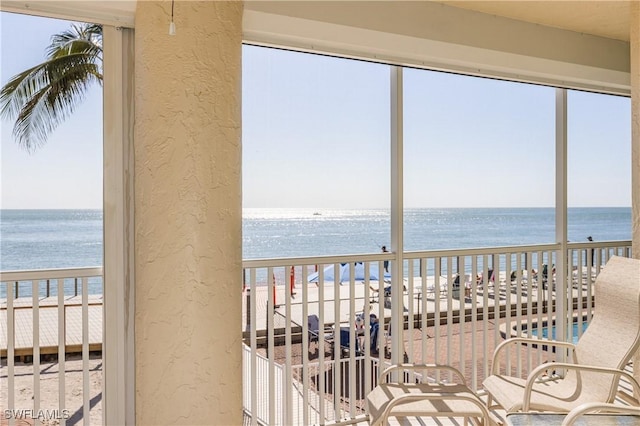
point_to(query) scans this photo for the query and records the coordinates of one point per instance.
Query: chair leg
(489, 401)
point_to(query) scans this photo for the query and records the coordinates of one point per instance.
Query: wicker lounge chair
(597, 360)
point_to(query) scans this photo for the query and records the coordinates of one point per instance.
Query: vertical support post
(397, 200)
(635, 143)
(118, 272)
(561, 219)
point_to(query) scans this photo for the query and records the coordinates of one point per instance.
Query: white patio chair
(410, 399)
(597, 360)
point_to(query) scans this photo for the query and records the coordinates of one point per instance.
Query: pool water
(545, 331)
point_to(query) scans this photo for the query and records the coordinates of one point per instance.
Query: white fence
(311, 388)
(41, 325)
(457, 305)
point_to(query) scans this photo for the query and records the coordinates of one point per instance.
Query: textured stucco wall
(188, 213)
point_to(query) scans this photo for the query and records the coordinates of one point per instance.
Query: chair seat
(434, 404)
(554, 396)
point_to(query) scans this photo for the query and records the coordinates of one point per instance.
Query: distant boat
(317, 214)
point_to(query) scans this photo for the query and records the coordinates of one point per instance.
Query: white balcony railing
(457, 306)
(51, 320)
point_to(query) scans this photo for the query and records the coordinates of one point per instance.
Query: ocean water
(40, 239)
(43, 239)
(304, 232)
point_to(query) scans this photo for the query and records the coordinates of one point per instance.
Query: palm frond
(42, 97)
(48, 107)
(87, 34)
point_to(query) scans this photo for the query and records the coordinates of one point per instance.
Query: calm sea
(37, 239)
(303, 232)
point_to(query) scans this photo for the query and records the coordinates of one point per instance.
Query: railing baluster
(273, 392)
(382, 339)
(449, 311)
(62, 339)
(11, 323)
(529, 285)
(321, 362)
(35, 308)
(423, 309)
(353, 345)
(366, 310)
(460, 268)
(486, 281)
(254, 346)
(495, 263)
(436, 276)
(337, 354)
(507, 316)
(288, 397)
(518, 277)
(305, 345)
(541, 303)
(473, 295)
(86, 407)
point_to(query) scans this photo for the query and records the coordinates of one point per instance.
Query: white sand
(49, 390)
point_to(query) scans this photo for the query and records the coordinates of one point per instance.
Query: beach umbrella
(345, 273)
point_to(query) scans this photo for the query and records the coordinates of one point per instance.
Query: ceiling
(604, 18)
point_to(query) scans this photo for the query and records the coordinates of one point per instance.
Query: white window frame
(118, 271)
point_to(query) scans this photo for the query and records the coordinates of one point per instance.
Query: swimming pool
(545, 331)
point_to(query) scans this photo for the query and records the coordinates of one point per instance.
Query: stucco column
(188, 213)
(635, 143)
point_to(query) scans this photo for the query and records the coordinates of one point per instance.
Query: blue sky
(67, 172)
(316, 135)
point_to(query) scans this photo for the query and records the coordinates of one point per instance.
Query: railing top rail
(93, 271)
(315, 260)
(480, 251)
(599, 244)
(514, 249)
(45, 274)
(376, 257)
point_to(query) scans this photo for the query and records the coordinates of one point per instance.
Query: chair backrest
(314, 327)
(613, 334)
(313, 322)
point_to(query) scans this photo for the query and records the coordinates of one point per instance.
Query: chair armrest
(515, 340)
(526, 398)
(327, 335)
(448, 368)
(402, 399)
(592, 407)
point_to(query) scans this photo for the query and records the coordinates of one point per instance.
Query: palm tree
(42, 97)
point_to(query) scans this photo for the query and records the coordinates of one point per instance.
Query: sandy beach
(49, 391)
